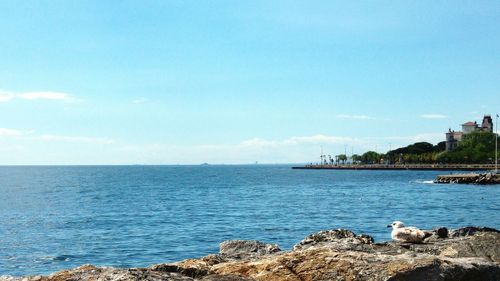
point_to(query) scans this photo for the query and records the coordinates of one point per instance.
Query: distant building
(487, 124)
(453, 138)
(469, 127)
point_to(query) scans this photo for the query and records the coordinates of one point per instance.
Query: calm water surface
(53, 218)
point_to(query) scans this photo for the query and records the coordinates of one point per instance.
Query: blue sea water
(58, 217)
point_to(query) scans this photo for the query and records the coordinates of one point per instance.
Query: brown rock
(245, 248)
(340, 238)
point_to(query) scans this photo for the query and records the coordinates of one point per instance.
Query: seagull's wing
(409, 234)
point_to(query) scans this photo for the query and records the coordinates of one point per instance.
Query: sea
(60, 217)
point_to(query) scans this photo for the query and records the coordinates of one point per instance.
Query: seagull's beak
(389, 225)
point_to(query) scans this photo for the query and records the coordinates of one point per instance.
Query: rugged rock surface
(246, 248)
(487, 178)
(465, 254)
(341, 239)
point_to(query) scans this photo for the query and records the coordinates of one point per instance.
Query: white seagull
(401, 233)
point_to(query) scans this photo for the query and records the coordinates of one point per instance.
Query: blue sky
(186, 82)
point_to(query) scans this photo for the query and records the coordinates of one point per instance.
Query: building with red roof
(453, 138)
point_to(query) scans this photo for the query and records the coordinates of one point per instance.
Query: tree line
(474, 148)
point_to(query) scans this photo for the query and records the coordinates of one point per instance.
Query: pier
(424, 167)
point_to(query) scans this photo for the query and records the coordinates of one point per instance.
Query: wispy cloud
(6, 96)
(427, 137)
(341, 141)
(355, 117)
(31, 135)
(140, 100)
(258, 142)
(46, 96)
(433, 116)
(10, 132)
(318, 139)
(475, 115)
(295, 149)
(75, 139)
(315, 139)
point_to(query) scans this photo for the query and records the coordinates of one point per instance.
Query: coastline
(421, 167)
(468, 253)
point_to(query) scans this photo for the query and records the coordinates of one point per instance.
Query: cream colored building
(453, 138)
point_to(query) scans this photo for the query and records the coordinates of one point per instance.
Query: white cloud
(140, 100)
(306, 146)
(68, 149)
(6, 96)
(31, 135)
(333, 141)
(427, 137)
(257, 142)
(75, 139)
(433, 116)
(318, 139)
(302, 140)
(46, 96)
(10, 132)
(355, 117)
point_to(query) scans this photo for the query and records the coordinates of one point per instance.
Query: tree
(475, 147)
(419, 152)
(356, 158)
(370, 157)
(342, 157)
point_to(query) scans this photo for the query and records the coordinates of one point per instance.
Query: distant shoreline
(422, 167)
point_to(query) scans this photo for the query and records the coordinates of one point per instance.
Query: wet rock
(245, 248)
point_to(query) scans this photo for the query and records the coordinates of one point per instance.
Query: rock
(488, 178)
(470, 230)
(241, 248)
(456, 269)
(471, 253)
(340, 238)
(192, 272)
(442, 232)
(90, 272)
(435, 234)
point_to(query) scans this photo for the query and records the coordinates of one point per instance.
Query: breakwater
(421, 167)
(485, 178)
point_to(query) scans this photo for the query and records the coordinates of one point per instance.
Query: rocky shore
(469, 253)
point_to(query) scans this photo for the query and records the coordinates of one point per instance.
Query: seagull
(400, 233)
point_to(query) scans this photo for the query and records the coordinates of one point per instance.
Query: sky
(234, 82)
